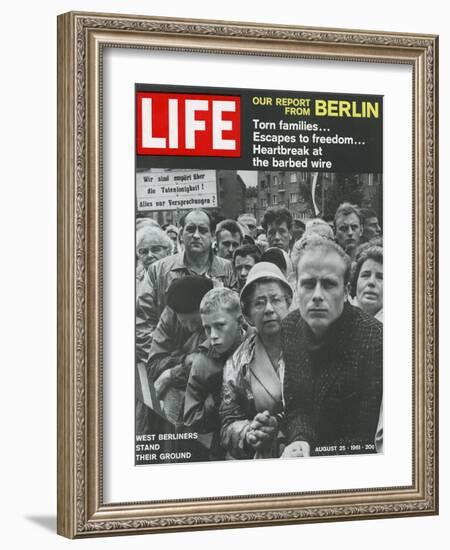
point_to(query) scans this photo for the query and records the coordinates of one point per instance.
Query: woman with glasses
(252, 393)
(152, 244)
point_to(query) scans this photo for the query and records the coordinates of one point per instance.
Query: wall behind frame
(28, 274)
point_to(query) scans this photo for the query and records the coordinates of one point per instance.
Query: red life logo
(188, 124)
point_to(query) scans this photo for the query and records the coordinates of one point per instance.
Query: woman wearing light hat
(252, 392)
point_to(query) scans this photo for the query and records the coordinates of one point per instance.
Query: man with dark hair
(333, 356)
(244, 258)
(348, 226)
(228, 237)
(372, 228)
(277, 222)
(197, 259)
(298, 229)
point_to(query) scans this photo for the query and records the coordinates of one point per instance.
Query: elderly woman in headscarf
(367, 280)
(152, 244)
(251, 406)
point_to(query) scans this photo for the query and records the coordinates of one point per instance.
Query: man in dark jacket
(176, 340)
(333, 357)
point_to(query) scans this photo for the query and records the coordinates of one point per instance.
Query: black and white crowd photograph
(259, 311)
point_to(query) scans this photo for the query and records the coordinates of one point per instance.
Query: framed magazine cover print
(168, 132)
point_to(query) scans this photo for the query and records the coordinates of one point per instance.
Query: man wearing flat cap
(197, 229)
(176, 340)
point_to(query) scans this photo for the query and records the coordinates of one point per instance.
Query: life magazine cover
(259, 274)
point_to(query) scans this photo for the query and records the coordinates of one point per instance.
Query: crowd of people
(266, 340)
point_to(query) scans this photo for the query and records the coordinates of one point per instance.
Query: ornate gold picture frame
(82, 41)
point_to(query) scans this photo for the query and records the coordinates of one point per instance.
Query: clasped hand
(263, 428)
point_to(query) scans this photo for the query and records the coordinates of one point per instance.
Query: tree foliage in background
(251, 192)
(345, 188)
(304, 191)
